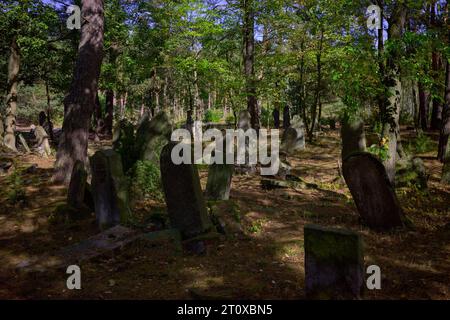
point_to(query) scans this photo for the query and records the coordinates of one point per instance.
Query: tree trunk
(109, 111)
(423, 107)
(436, 114)
(11, 99)
(391, 116)
(445, 126)
(80, 101)
(318, 88)
(249, 59)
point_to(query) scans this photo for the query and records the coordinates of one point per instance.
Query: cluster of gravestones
(42, 134)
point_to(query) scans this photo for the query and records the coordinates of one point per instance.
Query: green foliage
(422, 143)
(212, 115)
(16, 190)
(266, 117)
(380, 150)
(146, 180)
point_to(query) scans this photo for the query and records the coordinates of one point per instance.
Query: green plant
(266, 117)
(146, 180)
(423, 143)
(212, 115)
(16, 193)
(256, 226)
(380, 150)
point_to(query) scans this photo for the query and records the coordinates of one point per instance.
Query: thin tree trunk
(80, 101)
(318, 88)
(249, 59)
(391, 127)
(445, 126)
(423, 107)
(11, 100)
(109, 111)
(49, 108)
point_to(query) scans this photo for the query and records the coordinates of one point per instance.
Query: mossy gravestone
(372, 192)
(184, 199)
(219, 181)
(352, 135)
(109, 188)
(123, 143)
(151, 136)
(334, 263)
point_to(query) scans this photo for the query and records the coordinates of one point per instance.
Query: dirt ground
(262, 257)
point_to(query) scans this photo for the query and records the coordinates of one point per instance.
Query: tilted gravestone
(151, 136)
(372, 192)
(334, 263)
(184, 198)
(352, 135)
(109, 188)
(218, 184)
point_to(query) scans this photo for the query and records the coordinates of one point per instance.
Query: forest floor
(263, 258)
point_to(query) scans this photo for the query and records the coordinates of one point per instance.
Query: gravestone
(109, 188)
(184, 199)
(77, 186)
(43, 145)
(151, 136)
(352, 135)
(372, 192)
(294, 137)
(24, 143)
(334, 263)
(219, 181)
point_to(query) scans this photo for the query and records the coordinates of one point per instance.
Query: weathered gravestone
(9, 139)
(151, 136)
(372, 192)
(184, 198)
(24, 143)
(219, 180)
(294, 137)
(334, 263)
(43, 145)
(353, 136)
(109, 188)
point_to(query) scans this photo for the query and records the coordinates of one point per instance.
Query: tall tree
(248, 32)
(79, 103)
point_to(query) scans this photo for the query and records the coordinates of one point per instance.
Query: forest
(116, 181)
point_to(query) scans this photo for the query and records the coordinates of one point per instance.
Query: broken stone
(353, 136)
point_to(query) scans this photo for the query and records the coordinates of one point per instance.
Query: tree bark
(423, 107)
(11, 99)
(80, 102)
(318, 88)
(249, 59)
(445, 126)
(109, 111)
(391, 116)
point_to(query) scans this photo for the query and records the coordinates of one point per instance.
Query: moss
(333, 245)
